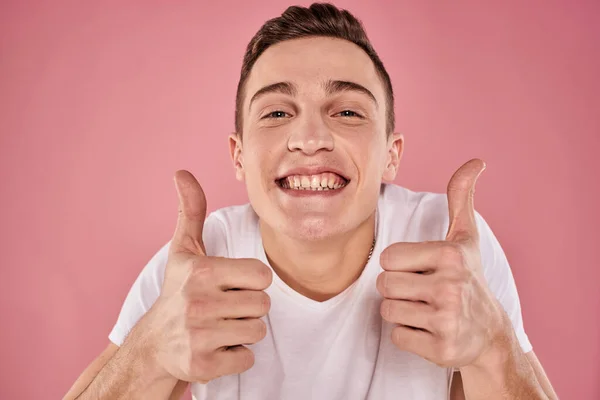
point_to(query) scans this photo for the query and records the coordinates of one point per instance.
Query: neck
(319, 269)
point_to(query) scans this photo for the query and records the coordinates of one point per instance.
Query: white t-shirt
(340, 348)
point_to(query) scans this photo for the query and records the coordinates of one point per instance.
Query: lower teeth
(318, 188)
(313, 189)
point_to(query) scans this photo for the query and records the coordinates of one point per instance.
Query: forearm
(504, 373)
(130, 374)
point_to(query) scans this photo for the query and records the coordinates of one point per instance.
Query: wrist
(141, 352)
(140, 375)
(503, 349)
(502, 371)
(130, 374)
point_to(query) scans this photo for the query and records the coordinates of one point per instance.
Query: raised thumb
(192, 213)
(461, 190)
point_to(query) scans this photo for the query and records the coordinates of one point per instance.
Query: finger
(461, 190)
(233, 360)
(405, 286)
(245, 304)
(408, 313)
(232, 304)
(415, 341)
(241, 273)
(192, 213)
(235, 332)
(410, 257)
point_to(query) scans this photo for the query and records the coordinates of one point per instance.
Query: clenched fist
(209, 307)
(436, 292)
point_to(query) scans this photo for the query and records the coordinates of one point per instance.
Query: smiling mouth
(319, 182)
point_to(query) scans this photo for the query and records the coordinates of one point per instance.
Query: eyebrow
(331, 87)
(280, 87)
(334, 87)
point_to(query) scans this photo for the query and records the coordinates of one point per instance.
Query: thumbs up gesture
(435, 292)
(209, 307)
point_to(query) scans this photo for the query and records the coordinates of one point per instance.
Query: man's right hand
(209, 307)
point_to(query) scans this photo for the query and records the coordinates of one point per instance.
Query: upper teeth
(324, 181)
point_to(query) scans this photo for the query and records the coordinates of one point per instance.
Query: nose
(311, 137)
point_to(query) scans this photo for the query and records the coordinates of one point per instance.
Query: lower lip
(313, 193)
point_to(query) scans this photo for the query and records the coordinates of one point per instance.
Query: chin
(312, 227)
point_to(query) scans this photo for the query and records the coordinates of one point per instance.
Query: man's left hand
(436, 293)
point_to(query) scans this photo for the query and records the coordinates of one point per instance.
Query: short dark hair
(320, 19)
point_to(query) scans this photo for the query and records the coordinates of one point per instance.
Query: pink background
(100, 104)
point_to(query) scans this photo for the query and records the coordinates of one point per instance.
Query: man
(329, 284)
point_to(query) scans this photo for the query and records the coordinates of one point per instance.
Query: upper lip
(312, 170)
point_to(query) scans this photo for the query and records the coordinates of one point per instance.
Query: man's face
(314, 115)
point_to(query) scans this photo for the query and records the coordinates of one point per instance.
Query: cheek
(370, 155)
(256, 159)
(251, 166)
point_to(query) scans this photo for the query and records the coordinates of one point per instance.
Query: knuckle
(452, 255)
(386, 309)
(388, 285)
(198, 309)
(265, 303)
(259, 330)
(258, 303)
(261, 272)
(381, 283)
(248, 359)
(265, 274)
(385, 257)
(262, 330)
(202, 269)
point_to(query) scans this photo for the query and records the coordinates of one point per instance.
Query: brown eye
(277, 114)
(349, 113)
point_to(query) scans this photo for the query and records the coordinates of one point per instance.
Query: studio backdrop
(101, 102)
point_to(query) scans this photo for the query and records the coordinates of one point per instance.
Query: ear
(235, 150)
(395, 148)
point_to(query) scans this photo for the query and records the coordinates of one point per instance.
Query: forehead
(308, 62)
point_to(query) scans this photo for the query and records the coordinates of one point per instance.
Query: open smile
(323, 182)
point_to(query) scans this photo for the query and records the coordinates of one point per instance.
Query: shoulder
(227, 229)
(421, 216)
(220, 228)
(417, 216)
(232, 217)
(411, 216)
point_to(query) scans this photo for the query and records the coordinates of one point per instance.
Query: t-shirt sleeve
(142, 295)
(500, 279)
(146, 288)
